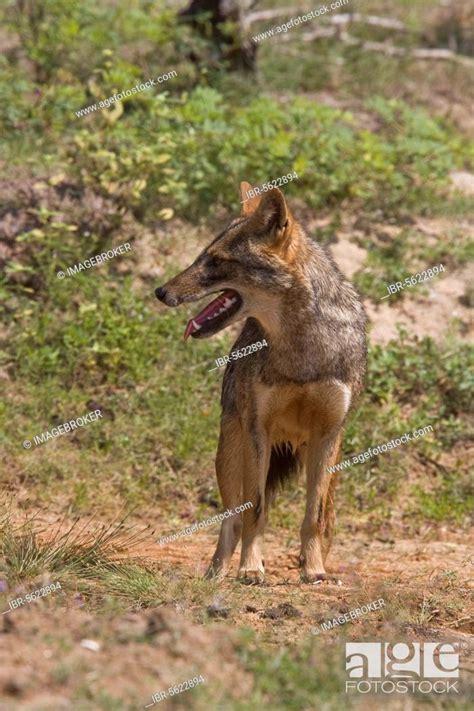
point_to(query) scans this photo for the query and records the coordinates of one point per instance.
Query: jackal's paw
(320, 578)
(251, 577)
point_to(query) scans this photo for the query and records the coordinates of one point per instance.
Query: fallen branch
(392, 51)
(387, 49)
(340, 19)
(310, 36)
(268, 14)
(385, 22)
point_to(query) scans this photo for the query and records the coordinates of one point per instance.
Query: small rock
(106, 412)
(463, 181)
(78, 600)
(206, 497)
(250, 608)
(91, 645)
(6, 624)
(14, 686)
(217, 611)
(284, 611)
(158, 622)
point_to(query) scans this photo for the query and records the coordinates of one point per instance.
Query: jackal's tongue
(217, 306)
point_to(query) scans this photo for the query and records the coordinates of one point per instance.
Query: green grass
(88, 558)
(293, 678)
(77, 551)
(309, 676)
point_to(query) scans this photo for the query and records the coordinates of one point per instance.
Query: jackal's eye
(213, 262)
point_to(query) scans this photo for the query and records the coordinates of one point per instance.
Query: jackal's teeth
(225, 305)
(196, 325)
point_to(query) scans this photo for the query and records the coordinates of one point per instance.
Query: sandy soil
(49, 653)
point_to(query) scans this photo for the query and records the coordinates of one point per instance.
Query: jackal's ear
(248, 204)
(273, 217)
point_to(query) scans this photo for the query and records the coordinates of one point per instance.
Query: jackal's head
(250, 264)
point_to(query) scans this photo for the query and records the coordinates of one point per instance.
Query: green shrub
(189, 154)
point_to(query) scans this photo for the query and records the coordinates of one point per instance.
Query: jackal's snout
(160, 294)
(164, 295)
(178, 290)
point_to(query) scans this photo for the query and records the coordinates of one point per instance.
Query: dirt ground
(50, 651)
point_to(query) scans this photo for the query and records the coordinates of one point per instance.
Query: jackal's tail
(285, 463)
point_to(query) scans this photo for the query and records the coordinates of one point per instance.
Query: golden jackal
(283, 407)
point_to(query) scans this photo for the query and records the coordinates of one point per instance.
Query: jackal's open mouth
(213, 317)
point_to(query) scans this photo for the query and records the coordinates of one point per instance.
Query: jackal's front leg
(318, 523)
(256, 459)
(229, 468)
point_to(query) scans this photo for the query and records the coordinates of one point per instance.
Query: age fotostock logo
(383, 667)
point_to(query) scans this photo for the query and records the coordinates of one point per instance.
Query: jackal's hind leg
(329, 514)
(318, 524)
